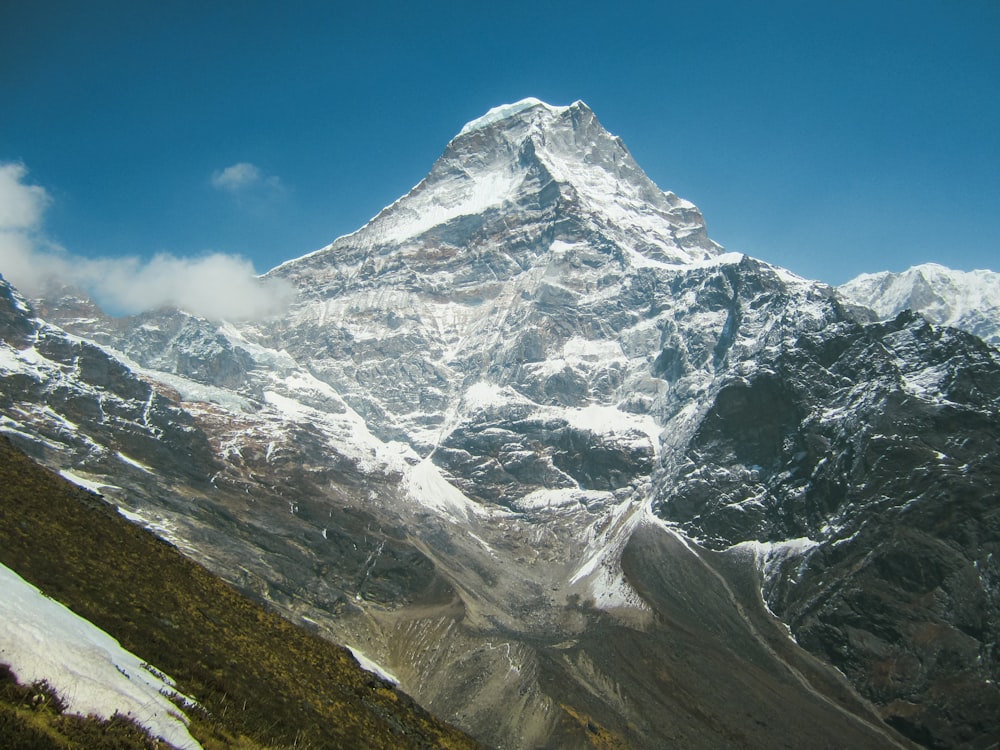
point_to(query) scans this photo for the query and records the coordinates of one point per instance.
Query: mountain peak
(532, 162)
(508, 111)
(969, 300)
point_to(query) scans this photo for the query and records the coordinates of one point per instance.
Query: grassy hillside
(262, 681)
(32, 718)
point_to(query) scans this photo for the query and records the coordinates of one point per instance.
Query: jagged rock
(15, 323)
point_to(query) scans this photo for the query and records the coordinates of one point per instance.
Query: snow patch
(161, 527)
(604, 420)
(96, 487)
(601, 569)
(483, 396)
(190, 390)
(592, 350)
(543, 499)
(132, 462)
(43, 640)
(770, 556)
(425, 209)
(346, 432)
(370, 665)
(426, 485)
(10, 360)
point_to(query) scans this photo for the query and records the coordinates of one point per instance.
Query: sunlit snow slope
(42, 640)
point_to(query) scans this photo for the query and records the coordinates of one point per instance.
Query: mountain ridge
(969, 300)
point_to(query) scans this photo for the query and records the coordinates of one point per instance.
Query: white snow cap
(505, 111)
(969, 300)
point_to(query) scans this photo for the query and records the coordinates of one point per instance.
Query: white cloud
(237, 177)
(21, 205)
(216, 285)
(245, 177)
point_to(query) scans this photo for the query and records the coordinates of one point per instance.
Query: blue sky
(830, 138)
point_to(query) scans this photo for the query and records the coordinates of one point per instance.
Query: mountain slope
(457, 607)
(530, 439)
(252, 672)
(867, 496)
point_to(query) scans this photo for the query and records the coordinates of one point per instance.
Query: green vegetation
(261, 681)
(32, 718)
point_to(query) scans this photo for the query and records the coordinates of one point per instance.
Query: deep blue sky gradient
(830, 138)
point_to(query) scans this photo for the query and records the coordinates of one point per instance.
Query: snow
(769, 556)
(639, 430)
(10, 360)
(588, 567)
(622, 200)
(289, 407)
(189, 390)
(505, 111)
(610, 590)
(601, 570)
(483, 395)
(926, 383)
(580, 349)
(425, 209)
(132, 462)
(786, 548)
(161, 527)
(346, 431)
(427, 485)
(10, 427)
(604, 420)
(483, 543)
(88, 484)
(41, 639)
(543, 499)
(292, 262)
(371, 666)
(277, 359)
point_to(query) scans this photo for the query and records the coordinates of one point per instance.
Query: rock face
(71, 401)
(530, 439)
(873, 449)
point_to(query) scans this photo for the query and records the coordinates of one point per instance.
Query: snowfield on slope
(41, 639)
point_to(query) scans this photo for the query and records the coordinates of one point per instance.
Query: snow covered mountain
(969, 300)
(530, 439)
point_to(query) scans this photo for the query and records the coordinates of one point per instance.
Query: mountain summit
(533, 162)
(969, 300)
(513, 266)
